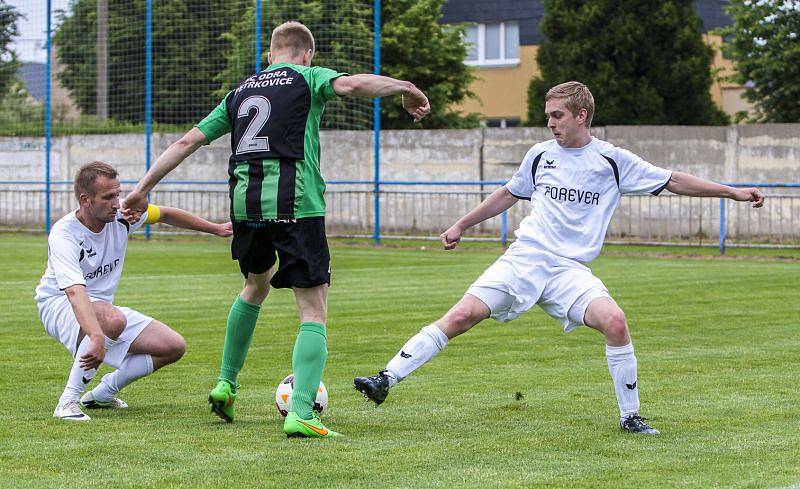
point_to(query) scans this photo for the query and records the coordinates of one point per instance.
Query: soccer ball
(283, 396)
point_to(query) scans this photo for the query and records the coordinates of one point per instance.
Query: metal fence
(407, 211)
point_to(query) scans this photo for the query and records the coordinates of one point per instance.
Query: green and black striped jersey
(274, 117)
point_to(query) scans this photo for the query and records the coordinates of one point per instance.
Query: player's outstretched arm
(365, 85)
(686, 184)
(186, 220)
(168, 161)
(500, 200)
(84, 313)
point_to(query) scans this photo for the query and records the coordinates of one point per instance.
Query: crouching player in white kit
(574, 183)
(86, 251)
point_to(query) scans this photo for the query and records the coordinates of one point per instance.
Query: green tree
(343, 35)
(20, 113)
(8, 59)
(186, 56)
(765, 50)
(415, 46)
(645, 61)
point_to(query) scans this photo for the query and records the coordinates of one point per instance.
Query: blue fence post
(504, 228)
(377, 122)
(722, 226)
(257, 34)
(148, 91)
(47, 126)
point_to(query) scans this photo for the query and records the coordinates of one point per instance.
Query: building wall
(726, 94)
(503, 92)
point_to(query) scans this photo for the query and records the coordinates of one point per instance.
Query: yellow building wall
(726, 94)
(503, 92)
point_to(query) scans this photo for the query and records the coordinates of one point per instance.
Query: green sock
(308, 361)
(238, 333)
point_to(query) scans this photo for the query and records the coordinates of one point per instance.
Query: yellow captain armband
(153, 214)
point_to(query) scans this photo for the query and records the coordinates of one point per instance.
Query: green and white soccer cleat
(88, 401)
(296, 427)
(222, 399)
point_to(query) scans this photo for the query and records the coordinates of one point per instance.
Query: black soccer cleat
(374, 388)
(635, 424)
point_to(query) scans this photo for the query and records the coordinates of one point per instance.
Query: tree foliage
(765, 50)
(8, 59)
(186, 56)
(343, 34)
(203, 49)
(417, 47)
(644, 61)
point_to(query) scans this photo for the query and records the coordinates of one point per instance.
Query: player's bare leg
(112, 323)
(422, 347)
(161, 342)
(238, 335)
(604, 315)
(308, 363)
(156, 346)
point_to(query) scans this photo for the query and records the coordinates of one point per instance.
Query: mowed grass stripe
(716, 341)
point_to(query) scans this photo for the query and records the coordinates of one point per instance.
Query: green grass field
(717, 343)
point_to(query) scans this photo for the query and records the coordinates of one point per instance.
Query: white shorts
(525, 276)
(60, 322)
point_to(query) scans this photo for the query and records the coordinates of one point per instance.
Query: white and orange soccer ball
(283, 396)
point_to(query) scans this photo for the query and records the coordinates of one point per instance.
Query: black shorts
(302, 251)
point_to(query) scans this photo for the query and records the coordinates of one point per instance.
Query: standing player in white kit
(85, 255)
(574, 182)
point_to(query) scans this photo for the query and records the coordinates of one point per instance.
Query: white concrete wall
(755, 153)
(762, 153)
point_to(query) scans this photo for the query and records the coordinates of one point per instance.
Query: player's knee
(460, 319)
(115, 324)
(616, 326)
(179, 346)
(255, 292)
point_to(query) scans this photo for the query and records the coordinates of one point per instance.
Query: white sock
(622, 365)
(133, 366)
(78, 377)
(417, 351)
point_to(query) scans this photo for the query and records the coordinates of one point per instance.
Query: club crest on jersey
(86, 252)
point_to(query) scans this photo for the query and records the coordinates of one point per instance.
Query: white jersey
(76, 255)
(574, 192)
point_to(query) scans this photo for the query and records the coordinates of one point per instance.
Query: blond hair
(88, 173)
(292, 36)
(576, 96)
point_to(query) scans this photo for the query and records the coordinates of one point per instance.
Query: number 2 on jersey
(249, 142)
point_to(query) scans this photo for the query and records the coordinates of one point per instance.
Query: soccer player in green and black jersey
(277, 204)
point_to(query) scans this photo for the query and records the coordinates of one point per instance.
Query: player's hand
(131, 215)
(451, 237)
(750, 195)
(135, 201)
(95, 354)
(416, 103)
(225, 230)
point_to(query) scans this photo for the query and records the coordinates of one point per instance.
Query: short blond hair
(88, 173)
(576, 96)
(292, 36)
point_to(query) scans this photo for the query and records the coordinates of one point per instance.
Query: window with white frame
(495, 44)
